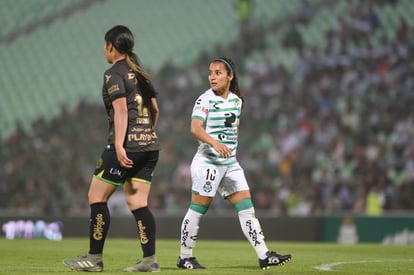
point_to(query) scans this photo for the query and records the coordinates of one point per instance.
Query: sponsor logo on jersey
(230, 130)
(143, 120)
(113, 89)
(117, 172)
(142, 137)
(230, 119)
(224, 137)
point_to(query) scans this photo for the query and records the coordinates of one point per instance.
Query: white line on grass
(328, 266)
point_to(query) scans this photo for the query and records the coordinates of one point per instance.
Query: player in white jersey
(214, 122)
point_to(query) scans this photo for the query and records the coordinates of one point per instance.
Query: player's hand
(222, 149)
(123, 160)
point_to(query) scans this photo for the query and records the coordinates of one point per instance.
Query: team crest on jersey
(207, 187)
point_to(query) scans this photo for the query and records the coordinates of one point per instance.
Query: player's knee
(136, 203)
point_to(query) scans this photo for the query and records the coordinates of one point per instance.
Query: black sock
(146, 230)
(98, 227)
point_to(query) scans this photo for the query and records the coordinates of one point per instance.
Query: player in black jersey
(130, 155)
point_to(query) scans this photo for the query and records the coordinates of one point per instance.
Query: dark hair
(122, 40)
(231, 69)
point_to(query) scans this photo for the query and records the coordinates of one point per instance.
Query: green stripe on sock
(243, 204)
(202, 209)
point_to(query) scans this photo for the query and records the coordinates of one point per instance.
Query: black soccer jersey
(120, 81)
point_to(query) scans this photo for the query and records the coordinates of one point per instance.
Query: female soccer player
(131, 153)
(215, 120)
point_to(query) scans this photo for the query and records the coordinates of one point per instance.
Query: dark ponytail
(144, 82)
(122, 40)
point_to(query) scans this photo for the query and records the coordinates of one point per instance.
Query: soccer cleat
(147, 264)
(90, 262)
(189, 263)
(274, 259)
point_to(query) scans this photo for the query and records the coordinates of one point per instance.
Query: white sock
(189, 230)
(253, 231)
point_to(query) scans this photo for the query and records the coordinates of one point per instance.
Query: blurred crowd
(28, 229)
(332, 134)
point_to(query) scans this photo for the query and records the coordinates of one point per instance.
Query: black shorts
(108, 169)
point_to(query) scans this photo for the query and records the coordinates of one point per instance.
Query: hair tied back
(229, 67)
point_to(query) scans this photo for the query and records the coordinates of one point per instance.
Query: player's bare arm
(121, 124)
(155, 112)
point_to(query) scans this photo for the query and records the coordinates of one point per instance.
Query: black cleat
(189, 263)
(274, 259)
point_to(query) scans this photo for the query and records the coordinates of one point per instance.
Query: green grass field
(220, 257)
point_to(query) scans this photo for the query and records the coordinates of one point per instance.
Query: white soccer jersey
(221, 119)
